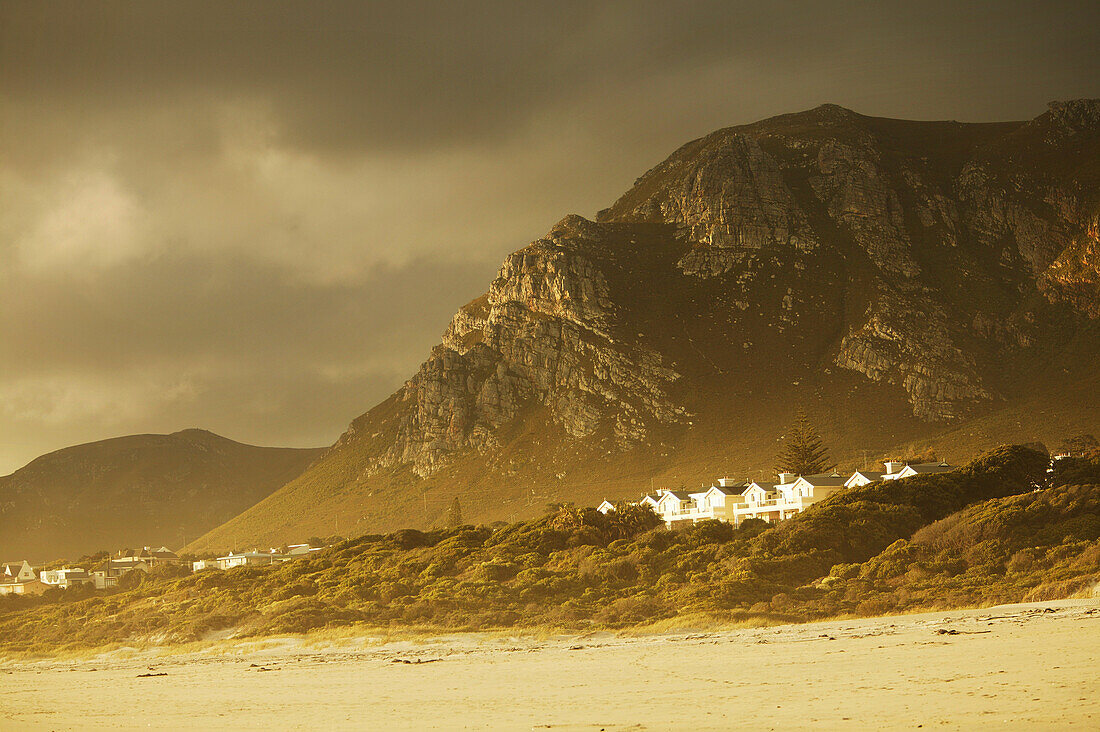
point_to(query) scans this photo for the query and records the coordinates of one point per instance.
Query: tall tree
(454, 515)
(802, 453)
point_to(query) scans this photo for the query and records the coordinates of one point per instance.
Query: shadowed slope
(135, 491)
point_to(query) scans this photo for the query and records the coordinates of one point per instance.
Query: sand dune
(1020, 666)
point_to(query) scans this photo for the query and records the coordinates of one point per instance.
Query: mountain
(912, 286)
(136, 491)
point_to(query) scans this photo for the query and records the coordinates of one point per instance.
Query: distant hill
(911, 285)
(135, 491)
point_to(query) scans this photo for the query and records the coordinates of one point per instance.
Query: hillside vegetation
(999, 529)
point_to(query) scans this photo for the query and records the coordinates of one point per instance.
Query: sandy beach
(1019, 666)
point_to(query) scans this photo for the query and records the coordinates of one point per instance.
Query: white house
(719, 501)
(606, 507)
(253, 559)
(761, 500)
(812, 488)
(66, 577)
(676, 506)
(862, 478)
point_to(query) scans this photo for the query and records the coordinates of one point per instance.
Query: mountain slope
(907, 283)
(135, 491)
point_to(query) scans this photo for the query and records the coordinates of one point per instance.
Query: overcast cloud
(258, 217)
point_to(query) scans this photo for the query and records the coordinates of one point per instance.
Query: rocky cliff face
(542, 335)
(927, 259)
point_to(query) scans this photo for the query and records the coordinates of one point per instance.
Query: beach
(1020, 667)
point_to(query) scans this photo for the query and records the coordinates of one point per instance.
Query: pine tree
(802, 453)
(454, 515)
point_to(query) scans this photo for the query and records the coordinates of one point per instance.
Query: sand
(1020, 666)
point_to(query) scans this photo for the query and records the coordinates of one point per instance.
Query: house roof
(253, 553)
(825, 479)
(679, 495)
(766, 487)
(729, 490)
(871, 475)
(924, 468)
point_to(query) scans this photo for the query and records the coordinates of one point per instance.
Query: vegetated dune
(135, 491)
(980, 534)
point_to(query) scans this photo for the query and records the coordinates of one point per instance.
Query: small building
(606, 507)
(201, 564)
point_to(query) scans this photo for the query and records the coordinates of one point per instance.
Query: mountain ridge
(136, 490)
(897, 279)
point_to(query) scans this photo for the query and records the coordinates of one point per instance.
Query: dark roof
(729, 490)
(682, 495)
(825, 479)
(871, 475)
(765, 486)
(931, 467)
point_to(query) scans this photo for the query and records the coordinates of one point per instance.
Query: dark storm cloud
(417, 74)
(257, 216)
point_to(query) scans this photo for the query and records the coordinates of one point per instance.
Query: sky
(258, 217)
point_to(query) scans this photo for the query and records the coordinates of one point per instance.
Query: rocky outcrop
(1069, 118)
(921, 256)
(860, 197)
(1074, 277)
(908, 340)
(730, 195)
(541, 336)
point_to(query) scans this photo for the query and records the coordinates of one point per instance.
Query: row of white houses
(21, 578)
(734, 501)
